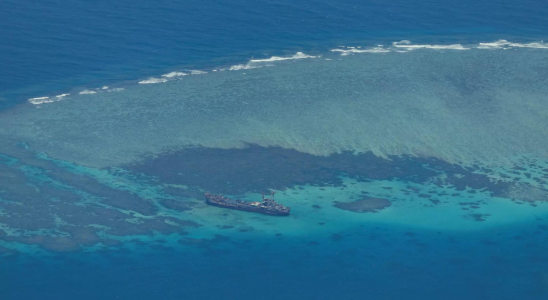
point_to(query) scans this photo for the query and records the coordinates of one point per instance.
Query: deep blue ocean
(87, 210)
(54, 46)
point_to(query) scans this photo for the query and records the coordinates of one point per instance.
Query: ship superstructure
(268, 206)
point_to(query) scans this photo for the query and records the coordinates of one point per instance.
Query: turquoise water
(408, 139)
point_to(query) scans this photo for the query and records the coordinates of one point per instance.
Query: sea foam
(87, 92)
(40, 100)
(152, 80)
(298, 55)
(174, 74)
(115, 90)
(43, 100)
(504, 44)
(350, 50)
(243, 67)
(406, 46)
(268, 62)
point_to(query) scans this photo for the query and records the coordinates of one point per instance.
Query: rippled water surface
(408, 139)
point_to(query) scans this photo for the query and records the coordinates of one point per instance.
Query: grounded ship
(268, 206)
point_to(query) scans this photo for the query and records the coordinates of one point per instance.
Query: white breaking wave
(168, 76)
(57, 98)
(350, 50)
(399, 46)
(298, 55)
(174, 74)
(504, 44)
(243, 67)
(267, 62)
(152, 80)
(87, 92)
(406, 46)
(42, 100)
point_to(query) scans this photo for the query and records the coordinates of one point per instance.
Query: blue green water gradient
(408, 138)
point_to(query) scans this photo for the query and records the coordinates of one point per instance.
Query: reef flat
(474, 104)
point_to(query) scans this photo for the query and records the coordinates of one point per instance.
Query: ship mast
(269, 200)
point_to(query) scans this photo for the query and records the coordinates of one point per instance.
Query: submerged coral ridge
(62, 206)
(61, 211)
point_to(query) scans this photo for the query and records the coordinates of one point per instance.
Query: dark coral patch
(184, 193)
(336, 237)
(477, 217)
(149, 226)
(75, 238)
(225, 226)
(237, 171)
(5, 251)
(364, 205)
(205, 242)
(179, 205)
(116, 198)
(71, 209)
(245, 229)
